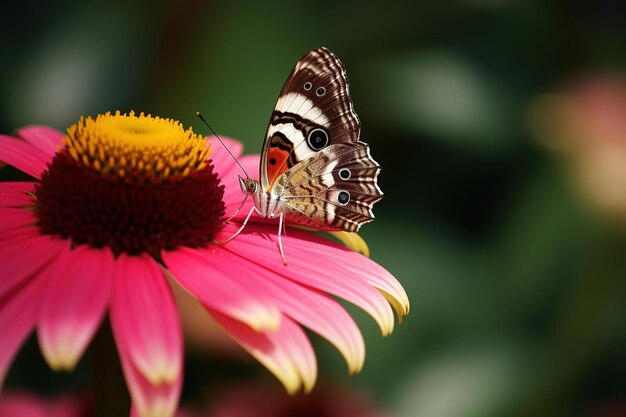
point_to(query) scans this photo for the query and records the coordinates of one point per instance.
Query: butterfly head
(248, 185)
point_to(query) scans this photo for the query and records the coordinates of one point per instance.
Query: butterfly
(314, 171)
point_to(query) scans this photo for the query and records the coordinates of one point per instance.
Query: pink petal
(74, 304)
(22, 404)
(179, 413)
(223, 163)
(309, 307)
(381, 279)
(148, 399)
(14, 194)
(18, 313)
(17, 234)
(23, 156)
(233, 197)
(44, 138)
(358, 264)
(310, 263)
(286, 352)
(24, 254)
(13, 218)
(28, 404)
(145, 319)
(232, 191)
(212, 283)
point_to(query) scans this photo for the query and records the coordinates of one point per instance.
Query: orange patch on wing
(275, 170)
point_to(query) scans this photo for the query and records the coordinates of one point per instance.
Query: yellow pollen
(144, 146)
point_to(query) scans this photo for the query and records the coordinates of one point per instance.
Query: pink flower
(24, 404)
(263, 401)
(586, 121)
(121, 208)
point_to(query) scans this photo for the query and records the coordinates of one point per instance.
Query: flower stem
(111, 394)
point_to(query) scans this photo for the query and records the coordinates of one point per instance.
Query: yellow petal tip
(352, 241)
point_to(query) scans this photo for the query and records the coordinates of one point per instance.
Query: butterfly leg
(245, 222)
(280, 241)
(236, 211)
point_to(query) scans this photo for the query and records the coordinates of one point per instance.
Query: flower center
(131, 183)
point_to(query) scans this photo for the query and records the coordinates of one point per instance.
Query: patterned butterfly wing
(333, 190)
(313, 111)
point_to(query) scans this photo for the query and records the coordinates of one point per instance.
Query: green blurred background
(517, 293)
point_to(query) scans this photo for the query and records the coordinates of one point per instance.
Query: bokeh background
(516, 275)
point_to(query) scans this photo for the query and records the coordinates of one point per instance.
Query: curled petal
(286, 352)
(145, 319)
(74, 304)
(43, 138)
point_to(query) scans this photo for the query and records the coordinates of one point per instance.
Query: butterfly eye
(344, 174)
(250, 186)
(343, 198)
(308, 86)
(317, 139)
(320, 91)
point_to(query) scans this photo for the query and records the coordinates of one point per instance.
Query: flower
(26, 404)
(125, 206)
(264, 401)
(586, 122)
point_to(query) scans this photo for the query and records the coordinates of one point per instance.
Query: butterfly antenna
(223, 144)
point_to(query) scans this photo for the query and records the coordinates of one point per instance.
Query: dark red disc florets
(129, 214)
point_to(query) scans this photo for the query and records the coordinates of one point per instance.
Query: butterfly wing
(314, 110)
(334, 189)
